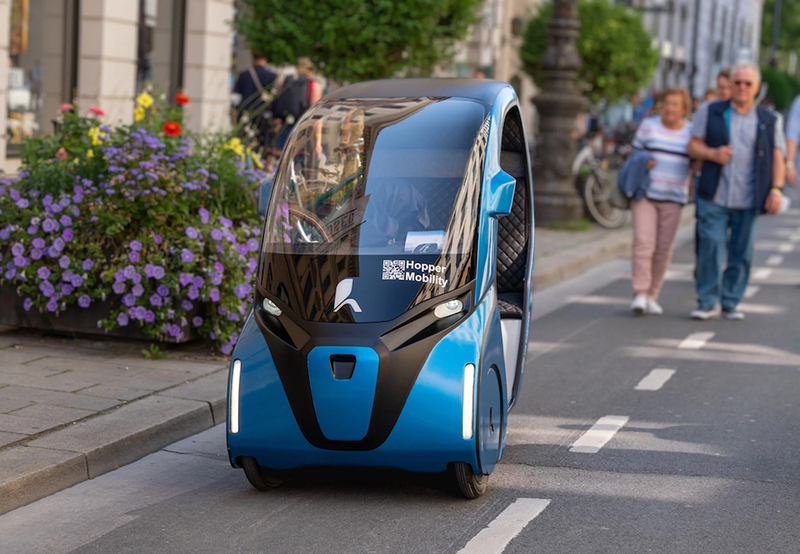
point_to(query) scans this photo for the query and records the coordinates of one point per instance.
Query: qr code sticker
(394, 270)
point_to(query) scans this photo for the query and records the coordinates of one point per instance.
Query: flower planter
(73, 320)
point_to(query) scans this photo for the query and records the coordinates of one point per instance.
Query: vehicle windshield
(383, 193)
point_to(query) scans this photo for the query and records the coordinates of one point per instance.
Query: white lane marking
(751, 291)
(510, 523)
(794, 238)
(775, 259)
(695, 341)
(786, 248)
(762, 273)
(601, 432)
(655, 379)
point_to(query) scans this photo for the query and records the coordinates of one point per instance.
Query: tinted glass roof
(479, 89)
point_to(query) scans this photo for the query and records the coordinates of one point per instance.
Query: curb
(122, 435)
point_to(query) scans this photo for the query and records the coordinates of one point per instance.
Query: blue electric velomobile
(390, 321)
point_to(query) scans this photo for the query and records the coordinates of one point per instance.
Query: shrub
(157, 221)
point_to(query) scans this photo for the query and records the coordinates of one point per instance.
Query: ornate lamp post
(559, 103)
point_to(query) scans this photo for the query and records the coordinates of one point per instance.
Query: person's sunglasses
(743, 83)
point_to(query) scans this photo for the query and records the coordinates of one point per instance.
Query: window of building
(159, 56)
(42, 66)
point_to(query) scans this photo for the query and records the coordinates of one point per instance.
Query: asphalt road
(705, 461)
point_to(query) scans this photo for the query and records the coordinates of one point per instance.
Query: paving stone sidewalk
(74, 408)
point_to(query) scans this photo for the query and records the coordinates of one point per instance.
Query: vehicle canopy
(375, 204)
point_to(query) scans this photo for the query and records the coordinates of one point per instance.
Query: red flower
(97, 111)
(66, 107)
(172, 129)
(62, 154)
(181, 99)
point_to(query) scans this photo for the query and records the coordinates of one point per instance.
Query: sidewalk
(73, 409)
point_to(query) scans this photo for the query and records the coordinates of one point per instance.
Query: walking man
(743, 171)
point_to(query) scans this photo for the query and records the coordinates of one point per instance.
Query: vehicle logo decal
(343, 290)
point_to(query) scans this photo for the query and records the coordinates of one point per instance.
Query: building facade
(697, 38)
(103, 53)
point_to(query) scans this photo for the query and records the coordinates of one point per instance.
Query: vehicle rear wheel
(470, 485)
(259, 477)
(596, 191)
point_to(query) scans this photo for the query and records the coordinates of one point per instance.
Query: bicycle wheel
(596, 190)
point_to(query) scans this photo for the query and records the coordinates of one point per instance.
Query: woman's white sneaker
(653, 308)
(639, 305)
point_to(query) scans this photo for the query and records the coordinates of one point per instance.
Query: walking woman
(657, 214)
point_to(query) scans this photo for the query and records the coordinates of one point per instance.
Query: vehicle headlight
(446, 309)
(271, 308)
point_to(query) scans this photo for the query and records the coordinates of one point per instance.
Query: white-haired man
(743, 171)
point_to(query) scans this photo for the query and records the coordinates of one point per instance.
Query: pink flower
(97, 111)
(65, 107)
(62, 154)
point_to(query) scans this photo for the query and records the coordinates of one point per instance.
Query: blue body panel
(343, 406)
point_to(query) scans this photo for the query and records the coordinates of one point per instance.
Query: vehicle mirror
(501, 194)
(264, 193)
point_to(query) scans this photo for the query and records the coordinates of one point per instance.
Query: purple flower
(52, 305)
(33, 229)
(203, 215)
(18, 249)
(87, 264)
(216, 279)
(66, 289)
(197, 321)
(216, 234)
(149, 316)
(226, 348)
(174, 330)
(187, 256)
(252, 245)
(141, 312)
(148, 270)
(27, 304)
(14, 195)
(198, 282)
(64, 202)
(226, 222)
(242, 249)
(193, 292)
(158, 272)
(137, 278)
(233, 316)
(234, 338)
(65, 220)
(59, 244)
(155, 300)
(63, 262)
(5, 233)
(75, 210)
(20, 261)
(66, 275)
(47, 288)
(163, 290)
(213, 294)
(133, 256)
(119, 276)
(84, 301)
(185, 278)
(186, 305)
(67, 234)
(53, 251)
(43, 272)
(157, 238)
(122, 319)
(48, 225)
(76, 280)
(129, 271)
(118, 287)
(219, 268)
(129, 300)
(137, 290)
(10, 273)
(23, 203)
(135, 245)
(192, 233)
(241, 291)
(38, 242)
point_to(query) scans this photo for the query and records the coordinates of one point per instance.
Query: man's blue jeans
(721, 229)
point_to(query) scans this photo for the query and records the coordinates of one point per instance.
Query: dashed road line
(600, 433)
(510, 523)
(786, 248)
(695, 341)
(655, 379)
(751, 291)
(775, 259)
(762, 273)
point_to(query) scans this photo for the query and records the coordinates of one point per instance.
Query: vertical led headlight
(234, 408)
(468, 402)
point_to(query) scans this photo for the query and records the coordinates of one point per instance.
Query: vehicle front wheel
(259, 477)
(470, 484)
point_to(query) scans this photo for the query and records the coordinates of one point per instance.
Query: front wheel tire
(471, 485)
(259, 476)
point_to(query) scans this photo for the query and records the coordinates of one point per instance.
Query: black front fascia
(402, 346)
